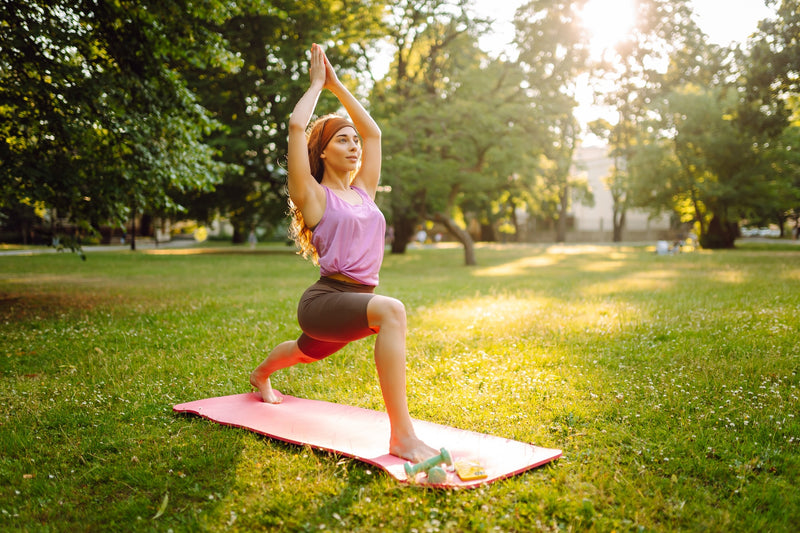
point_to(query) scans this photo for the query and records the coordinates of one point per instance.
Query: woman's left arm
(369, 174)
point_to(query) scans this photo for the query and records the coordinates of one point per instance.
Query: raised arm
(304, 190)
(369, 174)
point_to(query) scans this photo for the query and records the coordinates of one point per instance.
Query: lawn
(669, 382)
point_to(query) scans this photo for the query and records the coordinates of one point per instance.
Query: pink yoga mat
(364, 435)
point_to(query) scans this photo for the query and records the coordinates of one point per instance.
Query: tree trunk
(133, 228)
(462, 236)
(619, 224)
(403, 230)
(240, 231)
(238, 235)
(145, 224)
(720, 235)
(518, 235)
(487, 233)
(782, 223)
(561, 223)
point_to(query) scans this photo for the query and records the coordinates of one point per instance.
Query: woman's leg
(284, 355)
(387, 316)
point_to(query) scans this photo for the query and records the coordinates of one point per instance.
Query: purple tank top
(349, 238)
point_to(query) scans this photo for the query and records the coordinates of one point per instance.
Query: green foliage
(635, 67)
(180, 109)
(553, 54)
(664, 34)
(709, 145)
(254, 101)
(670, 383)
(775, 53)
(769, 111)
(95, 118)
(708, 171)
(425, 165)
(553, 50)
(464, 133)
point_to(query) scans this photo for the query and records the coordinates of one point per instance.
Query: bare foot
(411, 448)
(268, 394)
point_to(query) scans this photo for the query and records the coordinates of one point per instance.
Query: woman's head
(321, 133)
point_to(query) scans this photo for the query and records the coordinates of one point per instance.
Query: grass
(670, 383)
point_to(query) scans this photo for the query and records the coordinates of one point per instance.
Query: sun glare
(608, 21)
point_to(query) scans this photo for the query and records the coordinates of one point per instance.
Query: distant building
(592, 224)
(595, 223)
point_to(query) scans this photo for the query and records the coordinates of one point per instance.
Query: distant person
(252, 239)
(333, 178)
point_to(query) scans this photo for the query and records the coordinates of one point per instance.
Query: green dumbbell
(437, 475)
(428, 464)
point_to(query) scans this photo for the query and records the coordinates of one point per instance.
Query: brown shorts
(331, 314)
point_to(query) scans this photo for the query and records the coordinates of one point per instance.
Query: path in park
(149, 244)
(144, 244)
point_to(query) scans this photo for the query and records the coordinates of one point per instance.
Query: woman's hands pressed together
(318, 68)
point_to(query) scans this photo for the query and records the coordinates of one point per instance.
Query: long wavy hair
(317, 137)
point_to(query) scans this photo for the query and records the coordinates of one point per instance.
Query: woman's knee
(384, 310)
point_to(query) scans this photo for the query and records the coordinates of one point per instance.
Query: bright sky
(724, 21)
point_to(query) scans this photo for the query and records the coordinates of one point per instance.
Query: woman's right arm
(304, 190)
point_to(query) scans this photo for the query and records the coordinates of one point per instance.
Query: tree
(96, 121)
(491, 133)
(715, 148)
(498, 134)
(780, 171)
(553, 52)
(711, 173)
(254, 101)
(405, 103)
(770, 109)
(635, 68)
(775, 54)
(457, 124)
(620, 146)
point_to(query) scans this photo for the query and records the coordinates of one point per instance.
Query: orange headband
(329, 128)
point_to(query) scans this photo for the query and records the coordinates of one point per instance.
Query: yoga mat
(364, 435)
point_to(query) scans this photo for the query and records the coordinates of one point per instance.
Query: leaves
(255, 100)
(459, 129)
(96, 116)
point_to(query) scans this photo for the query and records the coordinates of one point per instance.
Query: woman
(333, 177)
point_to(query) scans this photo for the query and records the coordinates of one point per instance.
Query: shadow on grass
(25, 306)
(219, 251)
(667, 380)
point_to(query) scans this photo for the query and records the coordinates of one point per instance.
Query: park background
(129, 119)
(670, 381)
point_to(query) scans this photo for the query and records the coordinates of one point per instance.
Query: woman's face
(344, 150)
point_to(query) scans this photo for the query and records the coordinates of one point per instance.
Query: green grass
(670, 383)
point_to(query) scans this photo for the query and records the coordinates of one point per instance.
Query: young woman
(333, 177)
